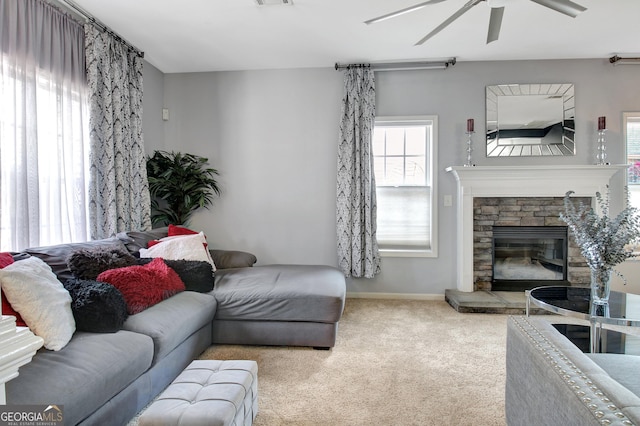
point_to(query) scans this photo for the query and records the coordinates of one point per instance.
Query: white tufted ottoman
(208, 393)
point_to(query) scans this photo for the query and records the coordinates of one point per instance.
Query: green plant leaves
(179, 184)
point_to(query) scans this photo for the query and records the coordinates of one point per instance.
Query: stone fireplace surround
(519, 211)
(515, 181)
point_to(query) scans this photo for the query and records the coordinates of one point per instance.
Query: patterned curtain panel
(358, 254)
(119, 191)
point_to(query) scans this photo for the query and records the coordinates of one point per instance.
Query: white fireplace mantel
(17, 346)
(517, 181)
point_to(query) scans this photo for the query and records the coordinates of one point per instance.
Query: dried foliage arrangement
(605, 241)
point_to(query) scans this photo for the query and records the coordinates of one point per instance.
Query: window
(632, 137)
(404, 155)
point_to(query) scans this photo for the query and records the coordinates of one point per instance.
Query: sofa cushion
(169, 323)
(225, 259)
(84, 375)
(97, 307)
(144, 285)
(135, 240)
(87, 264)
(618, 366)
(313, 293)
(33, 290)
(56, 256)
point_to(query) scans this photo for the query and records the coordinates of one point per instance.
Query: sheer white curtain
(43, 126)
(358, 253)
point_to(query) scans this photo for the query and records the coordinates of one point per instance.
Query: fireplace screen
(535, 255)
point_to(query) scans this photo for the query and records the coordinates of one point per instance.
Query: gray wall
(152, 102)
(273, 136)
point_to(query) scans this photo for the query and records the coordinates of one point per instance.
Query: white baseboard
(405, 296)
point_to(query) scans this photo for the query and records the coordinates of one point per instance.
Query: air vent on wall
(273, 2)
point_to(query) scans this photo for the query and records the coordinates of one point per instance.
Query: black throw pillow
(97, 307)
(87, 264)
(197, 275)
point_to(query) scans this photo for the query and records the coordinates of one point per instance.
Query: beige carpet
(395, 363)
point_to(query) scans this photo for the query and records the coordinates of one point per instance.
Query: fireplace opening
(525, 257)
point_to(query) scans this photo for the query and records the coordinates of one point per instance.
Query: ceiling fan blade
(401, 11)
(449, 20)
(567, 7)
(495, 22)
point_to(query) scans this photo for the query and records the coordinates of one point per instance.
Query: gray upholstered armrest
(225, 259)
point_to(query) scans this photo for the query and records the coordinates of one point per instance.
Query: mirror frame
(565, 145)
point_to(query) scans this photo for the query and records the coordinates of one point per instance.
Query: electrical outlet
(448, 200)
(165, 114)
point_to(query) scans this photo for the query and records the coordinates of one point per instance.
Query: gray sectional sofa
(106, 378)
(551, 382)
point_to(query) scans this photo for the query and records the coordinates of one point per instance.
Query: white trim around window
(430, 184)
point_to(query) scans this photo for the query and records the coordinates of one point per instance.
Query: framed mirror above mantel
(530, 120)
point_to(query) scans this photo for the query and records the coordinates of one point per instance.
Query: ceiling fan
(566, 7)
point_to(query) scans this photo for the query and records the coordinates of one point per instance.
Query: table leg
(595, 336)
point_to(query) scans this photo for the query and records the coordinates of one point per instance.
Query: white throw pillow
(33, 290)
(181, 247)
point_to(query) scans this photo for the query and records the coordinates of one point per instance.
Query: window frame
(431, 156)
(625, 120)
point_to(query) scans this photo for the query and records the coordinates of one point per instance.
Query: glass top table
(623, 309)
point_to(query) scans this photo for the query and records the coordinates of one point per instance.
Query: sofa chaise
(106, 378)
(549, 381)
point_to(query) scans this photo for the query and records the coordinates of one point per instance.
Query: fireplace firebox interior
(526, 257)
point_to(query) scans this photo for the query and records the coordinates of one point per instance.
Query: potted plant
(179, 185)
(604, 241)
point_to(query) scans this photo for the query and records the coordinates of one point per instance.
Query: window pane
(395, 140)
(632, 131)
(377, 144)
(633, 149)
(416, 140)
(415, 171)
(395, 171)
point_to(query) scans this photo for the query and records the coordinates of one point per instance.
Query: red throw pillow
(174, 230)
(152, 243)
(179, 230)
(6, 259)
(144, 285)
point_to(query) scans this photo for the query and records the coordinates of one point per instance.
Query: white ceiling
(215, 35)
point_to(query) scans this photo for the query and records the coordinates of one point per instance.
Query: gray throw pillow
(87, 264)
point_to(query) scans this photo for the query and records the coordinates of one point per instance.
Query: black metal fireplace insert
(525, 257)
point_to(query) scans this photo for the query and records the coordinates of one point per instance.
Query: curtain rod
(95, 22)
(617, 60)
(398, 66)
